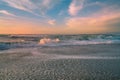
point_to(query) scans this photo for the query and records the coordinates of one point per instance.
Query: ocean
(60, 57)
(26, 41)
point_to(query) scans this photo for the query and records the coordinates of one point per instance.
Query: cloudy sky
(59, 16)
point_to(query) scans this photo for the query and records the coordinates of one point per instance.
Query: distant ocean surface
(26, 41)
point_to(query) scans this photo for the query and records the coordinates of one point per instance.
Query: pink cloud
(75, 7)
(52, 22)
(6, 13)
(93, 23)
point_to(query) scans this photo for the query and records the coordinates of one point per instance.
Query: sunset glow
(59, 16)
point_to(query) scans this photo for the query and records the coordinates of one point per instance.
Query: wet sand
(88, 62)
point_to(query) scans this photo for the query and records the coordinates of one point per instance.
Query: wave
(48, 40)
(25, 41)
(76, 42)
(58, 42)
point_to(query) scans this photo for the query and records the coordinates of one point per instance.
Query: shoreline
(93, 62)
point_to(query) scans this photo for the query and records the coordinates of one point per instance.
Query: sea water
(20, 41)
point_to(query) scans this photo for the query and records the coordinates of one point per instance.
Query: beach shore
(85, 62)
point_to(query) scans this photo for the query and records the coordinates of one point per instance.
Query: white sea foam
(46, 56)
(84, 57)
(48, 40)
(75, 42)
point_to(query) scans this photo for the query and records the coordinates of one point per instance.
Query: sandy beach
(86, 62)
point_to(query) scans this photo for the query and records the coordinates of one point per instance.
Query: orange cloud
(51, 22)
(91, 24)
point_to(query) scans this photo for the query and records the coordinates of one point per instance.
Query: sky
(59, 16)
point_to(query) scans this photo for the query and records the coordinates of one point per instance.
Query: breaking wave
(48, 40)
